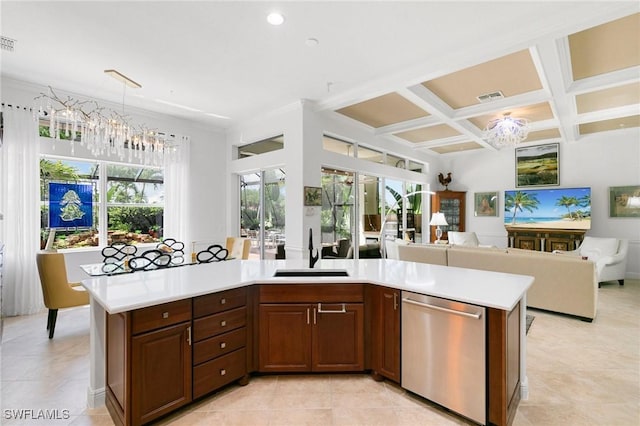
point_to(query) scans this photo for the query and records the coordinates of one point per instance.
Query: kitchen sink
(311, 273)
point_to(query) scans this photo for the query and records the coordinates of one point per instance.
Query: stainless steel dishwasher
(444, 353)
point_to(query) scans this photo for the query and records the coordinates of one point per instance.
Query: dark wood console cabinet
(541, 239)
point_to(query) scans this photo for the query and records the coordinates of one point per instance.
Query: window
(132, 207)
(135, 197)
(261, 147)
(337, 217)
(262, 212)
(338, 146)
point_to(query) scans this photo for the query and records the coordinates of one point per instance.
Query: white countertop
(121, 293)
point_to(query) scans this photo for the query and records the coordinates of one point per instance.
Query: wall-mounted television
(559, 208)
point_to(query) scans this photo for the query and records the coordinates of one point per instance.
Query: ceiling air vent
(8, 44)
(488, 97)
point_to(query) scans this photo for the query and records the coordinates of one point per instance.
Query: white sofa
(609, 255)
(563, 284)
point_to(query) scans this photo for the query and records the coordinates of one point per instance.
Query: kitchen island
(184, 297)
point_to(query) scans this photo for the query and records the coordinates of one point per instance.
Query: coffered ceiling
(567, 86)
(409, 72)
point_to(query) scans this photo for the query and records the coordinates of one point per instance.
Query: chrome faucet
(312, 259)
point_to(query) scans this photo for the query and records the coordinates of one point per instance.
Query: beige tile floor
(579, 374)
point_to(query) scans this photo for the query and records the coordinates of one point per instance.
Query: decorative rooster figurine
(312, 259)
(445, 181)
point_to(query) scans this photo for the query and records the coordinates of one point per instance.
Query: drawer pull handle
(328, 311)
(223, 372)
(165, 315)
(223, 301)
(223, 323)
(223, 345)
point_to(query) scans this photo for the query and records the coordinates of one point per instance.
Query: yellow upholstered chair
(238, 248)
(57, 291)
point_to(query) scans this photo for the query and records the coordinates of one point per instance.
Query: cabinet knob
(223, 372)
(165, 315)
(223, 323)
(223, 301)
(223, 345)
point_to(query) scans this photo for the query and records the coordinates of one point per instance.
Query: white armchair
(468, 239)
(609, 255)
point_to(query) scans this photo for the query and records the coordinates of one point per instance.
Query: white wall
(207, 174)
(599, 161)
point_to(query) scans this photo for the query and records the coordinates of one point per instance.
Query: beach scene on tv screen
(560, 208)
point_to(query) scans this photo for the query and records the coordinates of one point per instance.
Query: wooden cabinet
(142, 346)
(311, 327)
(452, 204)
(385, 333)
(220, 339)
(542, 239)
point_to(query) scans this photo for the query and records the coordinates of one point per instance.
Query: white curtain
(176, 193)
(19, 203)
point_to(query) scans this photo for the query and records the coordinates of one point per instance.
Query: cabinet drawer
(153, 317)
(218, 302)
(219, 323)
(215, 346)
(311, 293)
(218, 372)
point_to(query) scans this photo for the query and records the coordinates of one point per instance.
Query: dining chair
(174, 248)
(117, 252)
(57, 291)
(149, 260)
(213, 253)
(238, 248)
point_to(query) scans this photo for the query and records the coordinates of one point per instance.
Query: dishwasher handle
(440, 308)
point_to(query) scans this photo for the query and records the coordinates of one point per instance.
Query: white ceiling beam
(605, 81)
(551, 60)
(608, 114)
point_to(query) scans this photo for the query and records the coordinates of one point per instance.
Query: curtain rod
(24, 108)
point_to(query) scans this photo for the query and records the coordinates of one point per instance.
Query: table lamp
(437, 220)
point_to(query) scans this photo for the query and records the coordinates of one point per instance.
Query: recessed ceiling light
(275, 18)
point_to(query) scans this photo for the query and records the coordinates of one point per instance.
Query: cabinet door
(386, 333)
(338, 337)
(161, 372)
(285, 337)
(452, 204)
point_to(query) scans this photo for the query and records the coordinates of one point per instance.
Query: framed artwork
(312, 196)
(538, 165)
(624, 201)
(485, 203)
(70, 205)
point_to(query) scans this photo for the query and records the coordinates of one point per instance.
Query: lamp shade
(438, 219)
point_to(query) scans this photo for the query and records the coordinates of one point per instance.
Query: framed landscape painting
(624, 201)
(538, 165)
(485, 203)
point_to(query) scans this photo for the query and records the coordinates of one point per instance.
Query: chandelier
(506, 131)
(102, 131)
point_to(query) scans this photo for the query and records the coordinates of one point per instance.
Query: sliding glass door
(262, 212)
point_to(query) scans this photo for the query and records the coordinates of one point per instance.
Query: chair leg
(49, 318)
(51, 326)
(621, 282)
